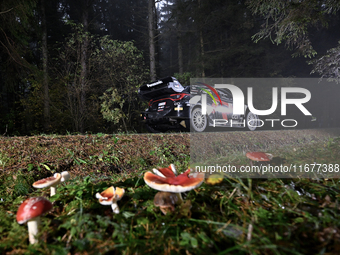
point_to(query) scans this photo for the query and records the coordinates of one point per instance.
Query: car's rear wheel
(199, 121)
(251, 121)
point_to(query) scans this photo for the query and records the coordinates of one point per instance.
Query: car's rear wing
(167, 85)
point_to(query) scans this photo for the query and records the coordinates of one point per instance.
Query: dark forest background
(75, 66)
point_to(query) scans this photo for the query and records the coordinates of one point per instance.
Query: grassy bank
(233, 216)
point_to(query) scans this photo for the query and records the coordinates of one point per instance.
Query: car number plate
(161, 104)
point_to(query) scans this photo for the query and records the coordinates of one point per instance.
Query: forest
(75, 66)
(70, 115)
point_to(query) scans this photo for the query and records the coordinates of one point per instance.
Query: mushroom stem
(180, 199)
(53, 191)
(33, 230)
(115, 207)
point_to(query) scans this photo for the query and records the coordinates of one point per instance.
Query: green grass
(234, 216)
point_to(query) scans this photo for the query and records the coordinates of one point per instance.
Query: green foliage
(289, 21)
(22, 185)
(115, 71)
(328, 66)
(125, 72)
(184, 78)
(18, 28)
(3, 159)
(16, 19)
(110, 100)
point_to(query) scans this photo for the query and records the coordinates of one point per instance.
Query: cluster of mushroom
(171, 186)
(165, 180)
(32, 208)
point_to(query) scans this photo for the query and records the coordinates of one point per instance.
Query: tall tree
(173, 27)
(17, 28)
(45, 79)
(83, 63)
(180, 49)
(82, 12)
(152, 44)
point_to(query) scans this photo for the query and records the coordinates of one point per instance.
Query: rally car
(176, 107)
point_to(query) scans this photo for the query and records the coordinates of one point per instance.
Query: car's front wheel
(199, 121)
(251, 121)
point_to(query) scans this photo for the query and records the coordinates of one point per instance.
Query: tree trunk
(83, 73)
(180, 50)
(152, 48)
(202, 53)
(46, 99)
(201, 46)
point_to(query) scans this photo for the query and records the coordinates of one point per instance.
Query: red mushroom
(52, 182)
(30, 211)
(166, 180)
(110, 196)
(258, 156)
